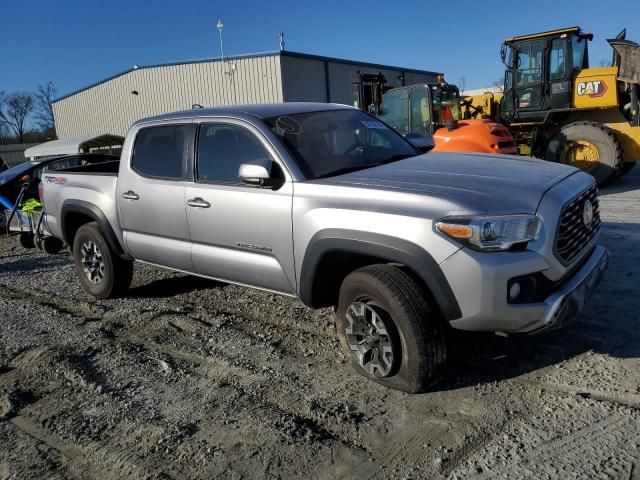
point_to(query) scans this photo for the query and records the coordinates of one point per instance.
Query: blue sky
(75, 43)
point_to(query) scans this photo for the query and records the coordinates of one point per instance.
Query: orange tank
(475, 136)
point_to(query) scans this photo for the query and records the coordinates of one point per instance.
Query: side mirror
(424, 143)
(258, 172)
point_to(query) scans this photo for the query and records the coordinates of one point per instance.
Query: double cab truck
(328, 204)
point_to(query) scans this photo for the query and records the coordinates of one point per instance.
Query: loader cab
(420, 109)
(540, 71)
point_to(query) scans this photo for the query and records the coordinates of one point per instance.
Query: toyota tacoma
(328, 204)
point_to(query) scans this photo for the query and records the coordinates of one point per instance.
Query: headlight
(490, 234)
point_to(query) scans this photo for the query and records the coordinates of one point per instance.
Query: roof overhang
(551, 33)
(69, 146)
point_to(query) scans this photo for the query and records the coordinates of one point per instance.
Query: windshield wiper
(355, 168)
(399, 156)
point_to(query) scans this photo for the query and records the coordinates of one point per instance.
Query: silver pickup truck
(328, 204)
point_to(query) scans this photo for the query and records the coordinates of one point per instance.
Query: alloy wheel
(92, 262)
(369, 338)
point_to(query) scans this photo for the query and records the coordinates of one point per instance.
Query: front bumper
(568, 301)
(480, 282)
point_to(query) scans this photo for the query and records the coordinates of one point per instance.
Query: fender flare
(93, 212)
(392, 249)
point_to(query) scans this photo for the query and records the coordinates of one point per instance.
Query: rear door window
(160, 152)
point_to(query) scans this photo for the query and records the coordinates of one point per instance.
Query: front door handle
(130, 195)
(198, 203)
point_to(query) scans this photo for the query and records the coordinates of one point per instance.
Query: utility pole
(220, 26)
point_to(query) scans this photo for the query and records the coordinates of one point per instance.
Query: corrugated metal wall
(13, 154)
(110, 107)
(411, 78)
(305, 79)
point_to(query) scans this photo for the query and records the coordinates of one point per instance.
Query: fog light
(514, 291)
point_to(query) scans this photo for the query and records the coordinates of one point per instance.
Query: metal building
(13, 154)
(112, 105)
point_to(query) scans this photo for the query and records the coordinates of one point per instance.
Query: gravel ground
(190, 378)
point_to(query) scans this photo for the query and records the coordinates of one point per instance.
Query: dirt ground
(190, 378)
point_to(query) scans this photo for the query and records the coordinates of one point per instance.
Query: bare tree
(462, 85)
(499, 84)
(4, 131)
(14, 112)
(43, 97)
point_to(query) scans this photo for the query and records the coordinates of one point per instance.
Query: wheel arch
(332, 254)
(76, 213)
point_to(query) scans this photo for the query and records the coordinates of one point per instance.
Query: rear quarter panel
(98, 190)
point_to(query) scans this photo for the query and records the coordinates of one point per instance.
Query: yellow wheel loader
(560, 109)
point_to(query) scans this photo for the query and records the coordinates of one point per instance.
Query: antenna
(281, 42)
(220, 26)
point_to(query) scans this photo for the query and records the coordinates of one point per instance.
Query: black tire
(112, 276)
(26, 240)
(415, 330)
(601, 137)
(51, 245)
(627, 167)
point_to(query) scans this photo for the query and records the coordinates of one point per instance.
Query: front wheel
(388, 329)
(102, 273)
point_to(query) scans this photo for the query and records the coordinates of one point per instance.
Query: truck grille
(573, 234)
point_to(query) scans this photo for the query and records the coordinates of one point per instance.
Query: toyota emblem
(587, 213)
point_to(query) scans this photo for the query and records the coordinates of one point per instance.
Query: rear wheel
(51, 245)
(102, 273)
(589, 146)
(26, 240)
(388, 329)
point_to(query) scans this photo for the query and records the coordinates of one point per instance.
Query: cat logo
(594, 88)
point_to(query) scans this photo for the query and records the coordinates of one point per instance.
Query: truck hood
(477, 183)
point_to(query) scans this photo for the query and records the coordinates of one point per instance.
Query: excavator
(431, 109)
(560, 109)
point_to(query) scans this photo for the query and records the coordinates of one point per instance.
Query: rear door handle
(130, 195)
(198, 203)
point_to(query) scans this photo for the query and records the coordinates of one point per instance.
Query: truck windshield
(332, 142)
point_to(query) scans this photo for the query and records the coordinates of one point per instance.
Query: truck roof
(260, 110)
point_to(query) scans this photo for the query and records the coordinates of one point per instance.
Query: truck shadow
(480, 359)
(629, 182)
(169, 287)
(28, 263)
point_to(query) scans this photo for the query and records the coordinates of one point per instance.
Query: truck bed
(107, 168)
(89, 184)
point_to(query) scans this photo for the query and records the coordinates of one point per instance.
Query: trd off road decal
(56, 180)
(594, 88)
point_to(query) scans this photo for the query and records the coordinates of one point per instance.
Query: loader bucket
(629, 60)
